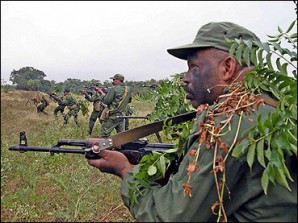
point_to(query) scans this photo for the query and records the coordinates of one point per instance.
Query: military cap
(66, 90)
(212, 35)
(118, 77)
(95, 84)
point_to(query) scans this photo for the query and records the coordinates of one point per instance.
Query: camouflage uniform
(113, 99)
(71, 103)
(43, 105)
(60, 108)
(98, 107)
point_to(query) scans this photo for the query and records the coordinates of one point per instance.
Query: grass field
(38, 187)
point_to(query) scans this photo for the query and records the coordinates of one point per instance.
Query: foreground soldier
(210, 68)
(73, 109)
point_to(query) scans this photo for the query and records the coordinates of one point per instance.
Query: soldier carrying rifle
(98, 106)
(60, 108)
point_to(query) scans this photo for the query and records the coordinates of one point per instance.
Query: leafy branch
(275, 137)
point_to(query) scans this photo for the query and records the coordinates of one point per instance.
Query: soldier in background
(116, 100)
(43, 104)
(60, 108)
(98, 106)
(71, 102)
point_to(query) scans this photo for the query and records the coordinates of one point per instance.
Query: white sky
(97, 39)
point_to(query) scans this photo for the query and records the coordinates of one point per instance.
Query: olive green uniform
(116, 102)
(43, 105)
(98, 107)
(60, 108)
(246, 201)
(71, 103)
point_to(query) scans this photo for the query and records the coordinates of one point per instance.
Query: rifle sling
(141, 131)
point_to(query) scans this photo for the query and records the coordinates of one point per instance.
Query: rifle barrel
(23, 149)
(124, 116)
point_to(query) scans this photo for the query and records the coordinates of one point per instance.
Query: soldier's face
(202, 75)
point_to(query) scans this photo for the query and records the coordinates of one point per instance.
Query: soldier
(210, 70)
(98, 106)
(60, 108)
(43, 104)
(116, 100)
(71, 103)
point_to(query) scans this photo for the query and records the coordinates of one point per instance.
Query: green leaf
(266, 47)
(162, 164)
(273, 40)
(291, 26)
(239, 54)
(286, 171)
(237, 151)
(152, 170)
(232, 49)
(268, 60)
(246, 56)
(281, 178)
(254, 56)
(248, 43)
(280, 30)
(260, 152)
(260, 57)
(260, 125)
(268, 123)
(275, 158)
(271, 173)
(278, 47)
(251, 154)
(265, 181)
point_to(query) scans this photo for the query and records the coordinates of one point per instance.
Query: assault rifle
(152, 86)
(54, 97)
(90, 90)
(91, 147)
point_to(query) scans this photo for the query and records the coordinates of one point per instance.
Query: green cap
(118, 77)
(212, 35)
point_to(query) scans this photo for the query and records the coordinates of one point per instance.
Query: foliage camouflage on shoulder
(270, 139)
(169, 94)
(277, 133)
(279, 130)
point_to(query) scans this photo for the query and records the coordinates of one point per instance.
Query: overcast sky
(97, 39)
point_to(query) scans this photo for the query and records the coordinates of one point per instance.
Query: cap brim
(182, 52)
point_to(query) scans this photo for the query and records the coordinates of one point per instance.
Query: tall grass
(38, 187)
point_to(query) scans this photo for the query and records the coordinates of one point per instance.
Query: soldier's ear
(228, 68)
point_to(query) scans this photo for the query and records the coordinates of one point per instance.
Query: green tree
(23, 75)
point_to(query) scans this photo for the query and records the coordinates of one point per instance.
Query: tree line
(31, 79)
